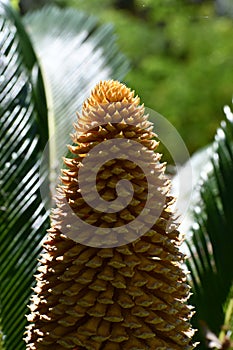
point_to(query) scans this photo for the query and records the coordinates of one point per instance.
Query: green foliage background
(181, 57)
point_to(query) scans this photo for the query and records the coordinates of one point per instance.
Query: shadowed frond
(211, 258)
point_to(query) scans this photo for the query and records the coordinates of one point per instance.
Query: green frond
(211, 245)
(23, 218)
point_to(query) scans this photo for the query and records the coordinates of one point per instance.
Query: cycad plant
(65, 52)
(128, 292)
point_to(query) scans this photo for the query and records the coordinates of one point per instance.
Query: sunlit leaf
(75, 53)
(23, 219)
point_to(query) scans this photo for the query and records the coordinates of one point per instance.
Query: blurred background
(181, 55)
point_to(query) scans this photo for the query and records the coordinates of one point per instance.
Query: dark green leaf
(211, 258)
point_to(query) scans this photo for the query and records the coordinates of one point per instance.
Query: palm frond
(80, 54)
(211, 258)
(23, 218)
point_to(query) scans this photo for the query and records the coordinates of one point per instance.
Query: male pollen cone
(132, 296)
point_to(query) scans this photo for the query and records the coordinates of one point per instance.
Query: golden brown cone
(131, 296)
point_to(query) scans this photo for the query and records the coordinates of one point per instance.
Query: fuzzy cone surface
(128, 296)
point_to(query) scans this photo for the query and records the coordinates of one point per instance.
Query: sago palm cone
(129, 296)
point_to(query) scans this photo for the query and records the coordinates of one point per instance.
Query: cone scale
(131, 292)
